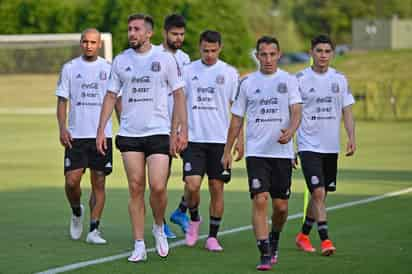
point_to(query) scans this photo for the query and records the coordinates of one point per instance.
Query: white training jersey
(324, 97)
(265, 101)
(182, 60)
(144, 81)
(84, 84)
(209, 92)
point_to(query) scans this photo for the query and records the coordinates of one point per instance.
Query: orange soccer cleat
(327, 248)
(303, 243)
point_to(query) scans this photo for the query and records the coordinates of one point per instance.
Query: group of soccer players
(169, 106)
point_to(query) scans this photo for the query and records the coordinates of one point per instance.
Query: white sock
(139, 244)
(158, 227)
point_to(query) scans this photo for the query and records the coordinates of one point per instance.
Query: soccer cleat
(274, 258)
(264, 264)
(327, 248)
(138, 255)
(212, 244)
(192, 234)
(76, 225)
(169, 233)
(162, 246)
(94, 237)
(181, 219)
(303, 243)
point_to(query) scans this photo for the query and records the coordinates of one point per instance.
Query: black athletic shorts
(201, 158)
(83, 154)
(154, 144)
(319, 169)
(271, 175)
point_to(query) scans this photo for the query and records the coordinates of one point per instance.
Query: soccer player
(270, 100)
(83, 82)
(144, 76)
(173, 37)
(211, 85)
(326, 98)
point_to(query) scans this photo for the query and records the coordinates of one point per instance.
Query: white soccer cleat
(162, 246)
(94, 237)
(138, 255)
(76, 225)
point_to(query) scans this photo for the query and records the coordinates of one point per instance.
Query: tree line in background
(239, 21)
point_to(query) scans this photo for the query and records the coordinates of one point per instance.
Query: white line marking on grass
(230, 231)
(25, 111)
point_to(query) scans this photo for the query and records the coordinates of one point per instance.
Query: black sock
(323, 230)
(77, 211)
(264, 248)
(274, 241)
(183, 205)
(214, 224)
(164, 221)
(307, 225)
(194, 214)
(94, 224)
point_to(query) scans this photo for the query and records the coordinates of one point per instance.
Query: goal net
(43, 53)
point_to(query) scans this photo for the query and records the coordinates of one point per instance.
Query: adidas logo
(312, 90)
(78, 76)
(333, 184)
(195, 78)
(108, 165)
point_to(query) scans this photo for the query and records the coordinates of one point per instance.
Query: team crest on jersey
(78, 76)
(282, 88)
(195, 78)
(256, 183)
(220, 79)
(312, 90)
(128, 69)
(103, 75)
(156, 67)
(257, 91)
(335, 87)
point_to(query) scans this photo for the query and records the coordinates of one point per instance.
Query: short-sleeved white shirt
(209, 92)
(144, 81)
(324, 97)
(84, 84)
(182, 60)
(264, 100)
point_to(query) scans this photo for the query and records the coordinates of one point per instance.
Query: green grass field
(371, 238)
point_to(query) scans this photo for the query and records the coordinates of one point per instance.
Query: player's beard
(137, 45)
(173, 46)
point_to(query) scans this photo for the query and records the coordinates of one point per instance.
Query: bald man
(83, 82)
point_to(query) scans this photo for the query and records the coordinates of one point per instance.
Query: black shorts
(271, 175)
(201, 158)
(83, 154)
(319, 169)
(154, 144)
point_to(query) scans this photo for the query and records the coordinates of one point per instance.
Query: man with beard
(173, 38)
(145, 76)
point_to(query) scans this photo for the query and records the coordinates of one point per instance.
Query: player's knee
(72, 183)
(192, 187)
(318, 195)
(136, 190)
(157, 189)
(261, 199)
(282, 209)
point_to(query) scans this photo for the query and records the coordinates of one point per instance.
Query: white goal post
(24, 41)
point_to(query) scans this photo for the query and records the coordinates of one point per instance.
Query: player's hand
(286, 136)
(239, 150)
(65, 138)
(101, 144)
(226, 160)
(173, 144)
(350, 148)
(295, 162)
(182, 140)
